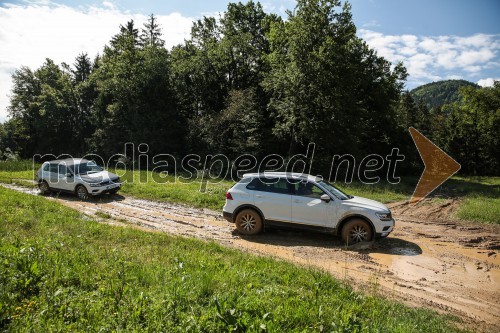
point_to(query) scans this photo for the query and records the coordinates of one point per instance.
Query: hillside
(440, 92)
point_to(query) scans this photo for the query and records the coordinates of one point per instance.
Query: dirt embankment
(429, 260)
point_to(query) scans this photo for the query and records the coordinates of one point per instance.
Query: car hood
(98, 177)
(365, 203)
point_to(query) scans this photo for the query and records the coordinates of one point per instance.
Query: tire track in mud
(450, 266)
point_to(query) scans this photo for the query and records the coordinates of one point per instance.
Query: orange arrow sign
(439, 166)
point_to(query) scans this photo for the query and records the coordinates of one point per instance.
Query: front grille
(110, 182)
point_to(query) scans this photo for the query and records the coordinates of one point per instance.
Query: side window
(254, 184)
(274, 185)
(63, 169)
(53, 168)
(46, 167)
(308, 190)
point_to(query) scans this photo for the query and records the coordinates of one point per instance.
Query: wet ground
(429, 260)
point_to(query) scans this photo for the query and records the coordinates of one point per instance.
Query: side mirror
(325, 198)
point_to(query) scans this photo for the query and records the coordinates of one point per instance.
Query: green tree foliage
(437, 94)
(85, 95)
(9, 134)
(43, 104)
(412, 114)
(135, 101)
(223, 61)
(473, 128)
(327, 85)
(247, 82)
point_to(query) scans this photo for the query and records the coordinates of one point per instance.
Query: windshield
(335, 191)
(86, 168)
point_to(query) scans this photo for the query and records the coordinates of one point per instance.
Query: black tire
(81, 192)
(248, 222)
(114, 191)
(355, 231)
(44, 188)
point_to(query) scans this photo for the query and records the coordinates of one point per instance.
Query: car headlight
(384, 216)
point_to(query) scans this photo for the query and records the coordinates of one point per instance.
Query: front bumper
(387, 228)
(105, 189)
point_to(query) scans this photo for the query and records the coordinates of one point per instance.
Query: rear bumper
(228, 216)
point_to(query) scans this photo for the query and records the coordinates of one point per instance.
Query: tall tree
(135, 102)
(116, 109)
(43, 105)
(85, 92)
(222, 60)
(151, 33)
(327, 85)
(474, 130)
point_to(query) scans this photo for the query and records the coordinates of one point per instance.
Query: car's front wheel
(355, 231)
(82, 192)
(248, 222)
(43, 187)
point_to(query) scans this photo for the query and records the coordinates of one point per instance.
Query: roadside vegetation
(479, 196)
(62, 271)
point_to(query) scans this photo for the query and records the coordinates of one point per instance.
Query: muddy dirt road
(429, 260)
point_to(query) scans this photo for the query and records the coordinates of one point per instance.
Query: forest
(245, 82)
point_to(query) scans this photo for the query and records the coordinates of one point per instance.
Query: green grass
(62, 271)
(480, 209)
(481, 198)
(383, 192)
(175, 189)
(22, 165)
(20, 172)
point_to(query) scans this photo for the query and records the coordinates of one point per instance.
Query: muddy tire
(248, 222)
(43, 187)
(114, 191)
(356, 231)
(82, 192)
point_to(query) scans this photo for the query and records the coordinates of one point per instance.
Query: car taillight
(229, 196)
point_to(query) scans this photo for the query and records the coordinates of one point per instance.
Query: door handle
(258, 196)
(296, 201)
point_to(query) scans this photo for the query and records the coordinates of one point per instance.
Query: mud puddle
(430, 261)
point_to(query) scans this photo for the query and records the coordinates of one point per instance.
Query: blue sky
(423, 17)
(436, 40)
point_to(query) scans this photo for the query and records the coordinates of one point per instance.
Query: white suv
(302, 201)
(78, 176)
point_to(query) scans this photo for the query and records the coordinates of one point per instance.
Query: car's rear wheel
(82, 192)
(355, 231)
(43, 187)
(248, 222)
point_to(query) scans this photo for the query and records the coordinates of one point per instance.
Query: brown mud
(430, 260)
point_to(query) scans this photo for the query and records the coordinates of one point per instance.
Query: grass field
(62, 271)
(480, 196)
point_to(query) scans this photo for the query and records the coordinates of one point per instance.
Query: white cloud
(487, 82)
(38, 30)
(430, 58)
(371, 24)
